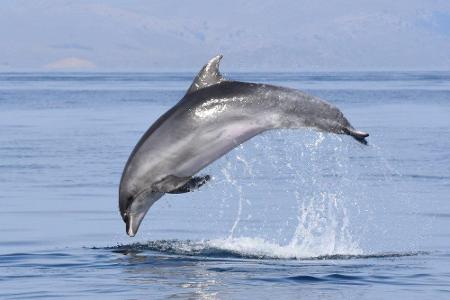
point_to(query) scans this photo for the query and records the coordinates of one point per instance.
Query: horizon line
(223, 72)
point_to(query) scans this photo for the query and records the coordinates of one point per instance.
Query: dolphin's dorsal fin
(208, 75)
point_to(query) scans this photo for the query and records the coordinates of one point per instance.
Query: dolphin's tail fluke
(360, 136)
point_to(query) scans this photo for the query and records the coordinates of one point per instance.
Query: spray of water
(234, 184)
(303, 194)
(300, 194)
(303, 186)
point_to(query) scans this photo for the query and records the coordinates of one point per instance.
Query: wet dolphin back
(268, 106)
(211, 121)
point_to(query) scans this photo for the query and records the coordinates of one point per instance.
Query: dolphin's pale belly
(185, 150)
(215, 144)
(200, 133)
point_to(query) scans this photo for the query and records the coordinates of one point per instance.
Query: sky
(331, 35)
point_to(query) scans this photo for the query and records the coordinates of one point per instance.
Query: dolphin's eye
(129, 200)
(125, 213)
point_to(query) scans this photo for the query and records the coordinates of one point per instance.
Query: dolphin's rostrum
(212, 118)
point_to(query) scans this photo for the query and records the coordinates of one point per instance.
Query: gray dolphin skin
(213, 117)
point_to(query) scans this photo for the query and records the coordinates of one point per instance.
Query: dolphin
(214, 116)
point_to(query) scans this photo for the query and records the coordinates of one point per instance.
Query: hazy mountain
(253, 35)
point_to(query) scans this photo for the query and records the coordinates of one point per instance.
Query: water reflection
(181, 277)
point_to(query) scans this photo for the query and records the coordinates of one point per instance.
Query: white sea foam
(251, 246)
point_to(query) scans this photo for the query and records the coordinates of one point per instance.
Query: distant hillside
(253, 35)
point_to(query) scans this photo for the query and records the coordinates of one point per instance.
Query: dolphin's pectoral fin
(176, 185)
(208, 75)
(191, 185)
(169, 183)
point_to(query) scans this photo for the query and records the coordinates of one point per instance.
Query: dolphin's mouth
(138, 209)
(131, 227)
(133, 222)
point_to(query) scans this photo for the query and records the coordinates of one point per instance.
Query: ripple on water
(249, 248)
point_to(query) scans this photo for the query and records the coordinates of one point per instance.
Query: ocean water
(289, 214)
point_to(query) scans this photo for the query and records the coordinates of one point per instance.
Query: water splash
(249, 248)
(233, 182)
(323, 220)
(310, 177)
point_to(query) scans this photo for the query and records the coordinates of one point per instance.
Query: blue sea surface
(291, 214)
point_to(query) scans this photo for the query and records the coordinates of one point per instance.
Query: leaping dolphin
(213, 117)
